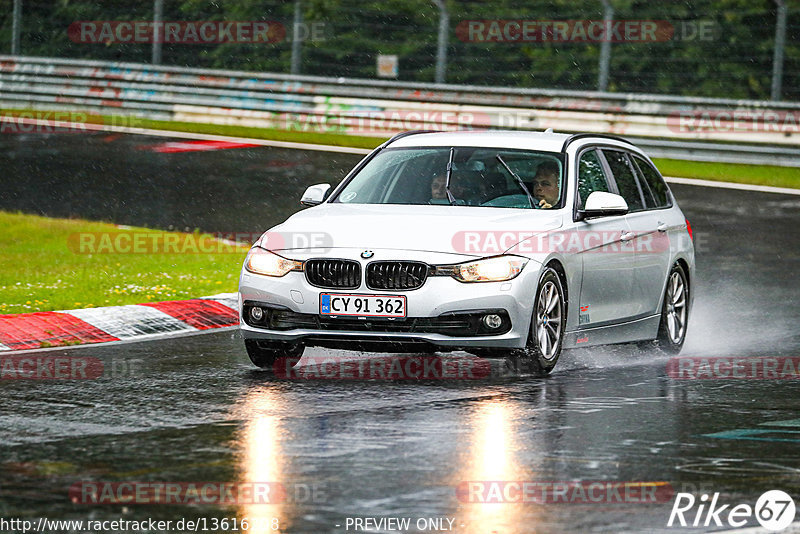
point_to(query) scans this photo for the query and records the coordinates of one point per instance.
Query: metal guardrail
(381, 108)
(726, 153)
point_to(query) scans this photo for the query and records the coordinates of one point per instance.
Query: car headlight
(262, 261)
(496, 269)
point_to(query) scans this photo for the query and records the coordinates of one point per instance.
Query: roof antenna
(549, 130)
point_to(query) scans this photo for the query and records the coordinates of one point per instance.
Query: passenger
(459, 188)
(438, 190)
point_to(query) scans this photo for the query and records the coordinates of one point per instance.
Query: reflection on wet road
(193, 409)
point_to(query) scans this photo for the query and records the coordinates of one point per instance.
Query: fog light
(256, 313)
(492, 321)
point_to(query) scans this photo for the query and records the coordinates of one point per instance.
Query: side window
(625, 178)
(654, 182)
(591, 177)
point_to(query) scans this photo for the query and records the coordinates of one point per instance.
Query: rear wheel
(265, 354)
(674, 312)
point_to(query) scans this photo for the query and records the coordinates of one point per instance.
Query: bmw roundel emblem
(367, 254)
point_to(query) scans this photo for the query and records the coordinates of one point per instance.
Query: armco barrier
(729, 130)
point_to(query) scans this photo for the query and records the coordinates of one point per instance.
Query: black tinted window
(654, 182)
(590, 176)
(625, 178)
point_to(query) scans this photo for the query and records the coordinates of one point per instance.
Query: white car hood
(402, 227)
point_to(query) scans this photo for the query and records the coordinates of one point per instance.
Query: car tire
(265, 354)
(674, 312)
(546, 333)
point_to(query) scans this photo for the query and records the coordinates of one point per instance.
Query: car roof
(546, 142)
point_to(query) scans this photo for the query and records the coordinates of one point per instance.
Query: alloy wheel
(676, 307)
(548, 320)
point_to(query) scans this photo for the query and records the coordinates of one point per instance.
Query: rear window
(654, 183)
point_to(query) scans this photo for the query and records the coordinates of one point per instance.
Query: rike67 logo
(774, 510)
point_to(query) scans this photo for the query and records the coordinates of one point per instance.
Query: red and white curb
(172, 147)
(134, 322)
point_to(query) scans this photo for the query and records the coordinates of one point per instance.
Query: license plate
(362, 305)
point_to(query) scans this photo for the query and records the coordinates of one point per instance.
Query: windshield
(490, 177)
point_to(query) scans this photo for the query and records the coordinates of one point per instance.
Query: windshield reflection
(459, 176)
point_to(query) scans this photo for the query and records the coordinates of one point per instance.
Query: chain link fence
(745, 49)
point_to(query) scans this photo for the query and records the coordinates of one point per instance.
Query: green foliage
(737, 62)
(39, 271)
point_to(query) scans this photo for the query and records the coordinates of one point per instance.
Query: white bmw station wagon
(497, 243)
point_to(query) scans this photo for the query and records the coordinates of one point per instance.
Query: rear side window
(626, 179)
(591, 177)
(654, 182)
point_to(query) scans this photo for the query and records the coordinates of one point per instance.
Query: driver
(545, 184)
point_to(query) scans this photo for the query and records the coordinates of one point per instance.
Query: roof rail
(406, 134)
(575, 137)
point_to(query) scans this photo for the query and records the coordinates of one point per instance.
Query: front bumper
(441, 313)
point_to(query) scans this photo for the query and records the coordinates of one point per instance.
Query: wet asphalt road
(136, 180)
(193, 409)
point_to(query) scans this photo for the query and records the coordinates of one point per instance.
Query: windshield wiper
(450, 196)
(518, 179)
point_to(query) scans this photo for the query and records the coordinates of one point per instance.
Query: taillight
(689, 229)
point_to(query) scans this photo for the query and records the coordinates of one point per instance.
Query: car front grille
(333, 274)
(396, 275)
(453, 324)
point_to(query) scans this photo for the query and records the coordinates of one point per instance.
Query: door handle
(627, 236)
(662, 227)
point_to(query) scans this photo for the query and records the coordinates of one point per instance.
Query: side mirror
(315, 194)
(602, 204)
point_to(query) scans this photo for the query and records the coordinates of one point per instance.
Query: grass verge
(273, 134)
(731, 172)
(45, 266)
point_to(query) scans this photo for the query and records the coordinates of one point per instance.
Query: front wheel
(674, 312)
(546, 335)
(264, 354)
